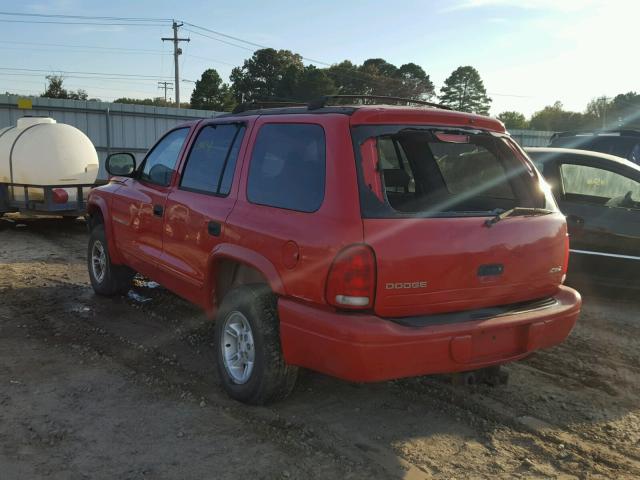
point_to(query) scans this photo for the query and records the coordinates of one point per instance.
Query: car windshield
(425, 171)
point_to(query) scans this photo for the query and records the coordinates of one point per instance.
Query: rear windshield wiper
(517, 211)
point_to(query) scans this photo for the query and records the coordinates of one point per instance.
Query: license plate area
(498, 343)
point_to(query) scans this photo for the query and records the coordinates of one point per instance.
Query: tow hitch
(493, 376)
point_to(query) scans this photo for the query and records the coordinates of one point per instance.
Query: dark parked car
(621, 143)
(600, 195)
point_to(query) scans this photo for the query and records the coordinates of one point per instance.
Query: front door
(603, 213)
(138, 206)
(197, 208)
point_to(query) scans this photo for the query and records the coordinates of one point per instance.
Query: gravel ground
(126, 388)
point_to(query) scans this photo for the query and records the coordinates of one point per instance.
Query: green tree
(376, 76)
(464, 91)
(556, 118)
(153, 102)
(266, 75)
(55, 89)
(348, 79)
(513, 120)
(309, 84)
(596, 113)
(211, 94)
(414, 83)
(624, 111)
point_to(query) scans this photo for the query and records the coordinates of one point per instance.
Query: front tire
(249, 355)
(106, 278)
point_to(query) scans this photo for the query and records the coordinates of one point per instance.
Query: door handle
(214, 228)
(158, 210)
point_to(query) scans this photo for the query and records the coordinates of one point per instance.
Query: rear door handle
(158, 210)
(214, 228)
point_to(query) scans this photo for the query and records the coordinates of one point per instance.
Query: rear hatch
(458, 220)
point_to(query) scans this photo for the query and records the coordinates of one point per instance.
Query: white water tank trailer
(39, 151)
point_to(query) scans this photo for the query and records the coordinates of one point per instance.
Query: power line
(124, 75)
(247, 42)
(95, 47)
(54, 22)
(218, 40)
(85, 17)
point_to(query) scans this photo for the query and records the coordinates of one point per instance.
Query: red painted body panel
(366, 348)
(319, 235)
(446, 253)
(294, 252)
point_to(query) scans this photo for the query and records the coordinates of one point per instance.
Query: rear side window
(288, 167)
(212, 159)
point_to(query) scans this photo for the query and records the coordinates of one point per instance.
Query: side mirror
(121, 164)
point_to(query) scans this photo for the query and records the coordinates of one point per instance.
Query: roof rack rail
(322, 101)
(257, 105)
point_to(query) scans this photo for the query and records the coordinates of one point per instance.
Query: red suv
(365, 242)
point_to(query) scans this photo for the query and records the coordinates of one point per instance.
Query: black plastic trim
(475, 315)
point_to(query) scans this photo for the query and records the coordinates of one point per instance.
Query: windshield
(411, 170)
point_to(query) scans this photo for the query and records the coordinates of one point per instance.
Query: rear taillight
(351, 281)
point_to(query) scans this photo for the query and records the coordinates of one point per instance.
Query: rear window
(418, 170)
(288, 167)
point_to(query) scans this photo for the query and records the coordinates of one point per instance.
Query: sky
(530, 53)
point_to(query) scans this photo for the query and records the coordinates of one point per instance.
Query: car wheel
(247, 339)
(106, 278)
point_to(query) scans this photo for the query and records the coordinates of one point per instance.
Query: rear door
(602, 202)
(138, 206)
(426, 197)
(197, 208)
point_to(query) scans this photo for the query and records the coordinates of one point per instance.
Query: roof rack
(322, 101)
(258, 105)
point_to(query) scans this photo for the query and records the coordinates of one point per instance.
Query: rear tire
(250, 362)
(106, 278)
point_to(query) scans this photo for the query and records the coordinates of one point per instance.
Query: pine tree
(464, 91)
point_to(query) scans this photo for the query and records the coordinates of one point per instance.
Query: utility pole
(165, 86)
(177, 51)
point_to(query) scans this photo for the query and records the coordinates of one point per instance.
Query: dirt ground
(126, 388)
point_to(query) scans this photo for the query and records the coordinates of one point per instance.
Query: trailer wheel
(106, 278)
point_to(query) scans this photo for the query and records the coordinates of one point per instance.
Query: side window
(288, 167)
(160, 163)
(396, 171)
(598, 186)
(212, 159)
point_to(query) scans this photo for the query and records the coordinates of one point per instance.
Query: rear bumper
(367, 348)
